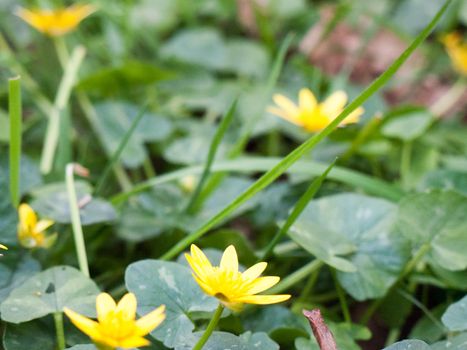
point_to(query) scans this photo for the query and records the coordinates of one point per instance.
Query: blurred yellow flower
(56, 22)
(116, 324)
(232, 287)
(31, 232)
(3, 247)
(311, 115)
(457, 51)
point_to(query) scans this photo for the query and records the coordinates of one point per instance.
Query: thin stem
(212, 324)
(60, 333)
(76, 220)
(296, 276)
(405, 164)
(14, 108)
(62, 51)
(308, 145)
(297, 210)
(450, 98)
(342, 299)
(309, 286)
(215, 143)
(118, 152)
(61, 100)
(367, 131)
(407, 270)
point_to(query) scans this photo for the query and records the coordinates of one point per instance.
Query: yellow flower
(457, 51)
(116, 325)
(32, 233)
(311, 115)
(3, 247)
(229, 285)
(56, 22)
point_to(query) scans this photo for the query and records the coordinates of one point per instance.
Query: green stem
(118, 152)
(61, 100)
(407, 269)
(212, 324)
(62, 51)
(76, 220)
(308, 286)
(367, 131)
(60, 333)
(297, 210)
(405, 164)
(215, 143)
(342, 299)
(296, 276)
(14, 108)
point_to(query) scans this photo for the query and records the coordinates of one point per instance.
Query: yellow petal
(294, 119)
(254, 271)
(334, 104)
(201, 270)
(263, 299)
(104, 305)
(286, 105)
(27, 216)
(133, 342)
(43, 225)
(307, 100)
(229, 259)
(204, 286)
(3, 247)
(199, 256)
(353, 117)
(86, 325)
(127, 306)
(263, 283)
(150, 321)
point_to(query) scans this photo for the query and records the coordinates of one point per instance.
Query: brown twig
(320, 330)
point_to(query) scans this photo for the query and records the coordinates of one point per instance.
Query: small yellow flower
(232, 287)
(32, 233)
(457, 51)
(311, 115)
(116, 325)
(3, 247)
(56, 22)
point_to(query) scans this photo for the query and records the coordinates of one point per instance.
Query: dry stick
(320, 330)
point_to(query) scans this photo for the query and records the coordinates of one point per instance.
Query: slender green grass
(61, 100)
(296, 211)
(14, 108)
(247, 165)
(118, 152)
(76, 220)
(308, 145)
(59, 330)
(216, 141)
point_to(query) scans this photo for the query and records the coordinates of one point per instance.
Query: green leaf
(14, 276)
(409, 345)
(437, 219)
(353, 234)
(444, 179)
(455, 343)
(156, 282)
(51, 201)
(455, 317)
(114, 120)
(48, 292)
(224, 340)
(115, 80)
(8, 214)
(408, 125)
(22, 336)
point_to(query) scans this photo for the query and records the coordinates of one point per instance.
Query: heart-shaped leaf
(156, 283)
(48, 292)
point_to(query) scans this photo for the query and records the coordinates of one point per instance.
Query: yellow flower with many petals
(232, 287)
(311, 115)
(56, 22)
(31, 232)
(116, 324)
(457, 51)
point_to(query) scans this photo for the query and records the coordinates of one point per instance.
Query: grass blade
(14, 108)
(297, 210)
(296, 154)
(216, 141)
(118, 152)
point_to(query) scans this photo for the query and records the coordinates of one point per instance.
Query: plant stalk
(212, 324)
(60, 333)
(14, 108)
